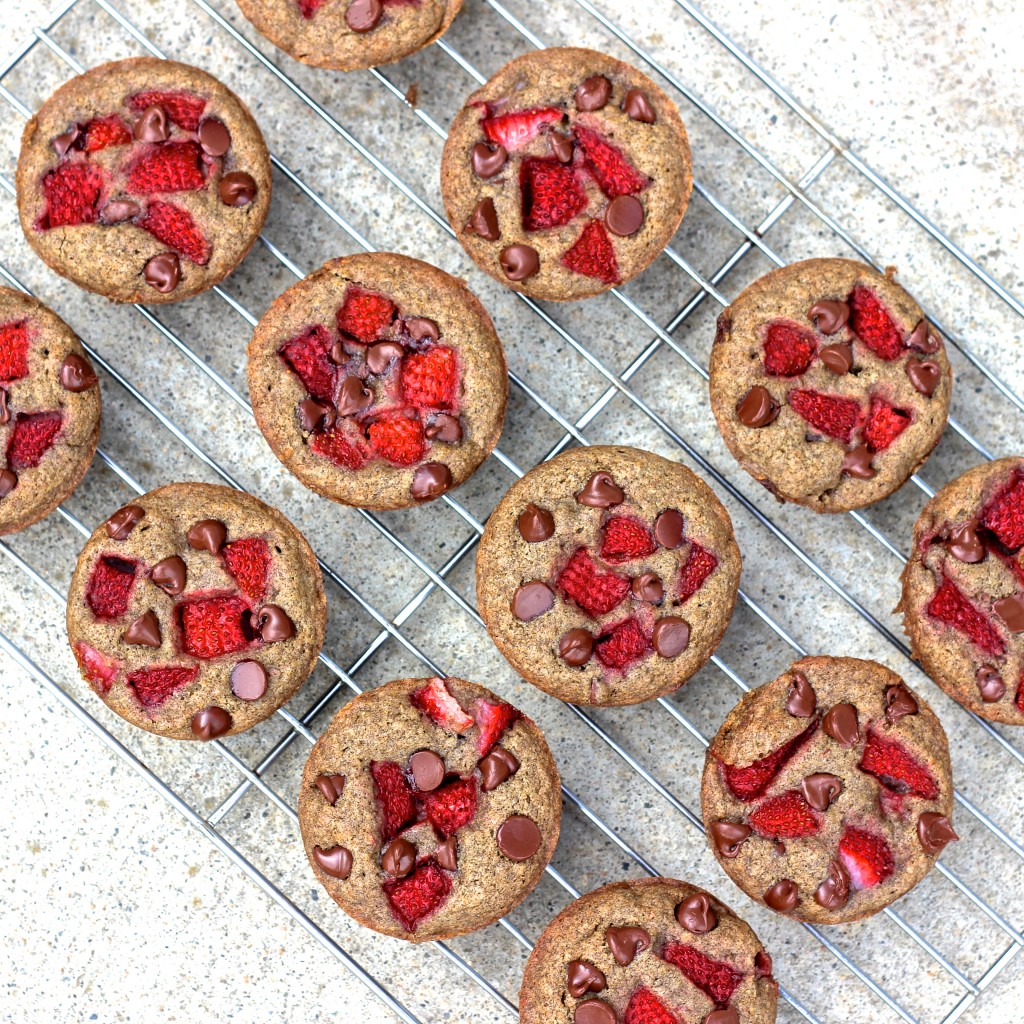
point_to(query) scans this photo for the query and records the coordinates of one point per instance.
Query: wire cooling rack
(629, 367)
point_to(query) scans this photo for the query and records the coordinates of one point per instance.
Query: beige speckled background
(113, 909)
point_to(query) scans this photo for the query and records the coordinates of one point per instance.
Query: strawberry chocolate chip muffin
(429, 808)
(196, 611)
(652, 951)
(963, 590)
(828, 385)
(566, 174)
(143, 180)
(608, 575)
(379, 381)
(827, 793)
(49, 411)
(350, 34)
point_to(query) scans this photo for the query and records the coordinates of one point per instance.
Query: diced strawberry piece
(451, 806)
(832, 415)
(625, 539)
(748, 782)
(307, 355)
(788, 349)
(172, 167)
(1004, 515)
(866, 857)
(32, 437)
(13, 350)
(415, 898)
(552, 194)
(622, 646)
(101, 132)
(365, 315)
(614, 174)
(595, 592)
(592, 254)
(98, 668)
(72, 192)
(248, 561)
(175, 227)
(213, 626)
(897, 768)
(441, 707)
(871, 322)
(1019, 699)
(699, 565)
(493, 720)
(307, 8)
(518, 127)
(110, 586)
(430, 379)
(340, 449)
(715, 978)
(885, 423)
(183, 108)
(644, 1007)
(763, 964)
(786, 816)
(154, 685)
(394, 798)
(950, 606)
(398, 439)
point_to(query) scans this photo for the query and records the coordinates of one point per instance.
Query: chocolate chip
(833, 893)
(427, 770)
(497, 767)
(214, 137)
(117, 211)
(671, 636)
(487, 160)
(237, 189)
(964, 544)
(593, 93)
(169, 574)
(316, 417)
(802, 699)
(783, 896)
(207, 535)
(924, 374)
(518, 837)
(62, 143)
(668, 528)
(594, 1011)
(730, 1015)
(626, 942)
(696, 914)
(444, 428)
(858, 463)
(840, 722)
(624, 216)
(582, 977)
(336, 862)
(728, 837)
(210, 723)
(535, 524)
(829, 316)
(922, 339)
(757, 408)
(899, 702)
(484, 221)
(144, 631)
(8, 481)
(399, 858)
(379, 356)
(820, 789)
(648, 587)
(601, 491)
(519, 262)
(1011, 611)
(638, 107)
(990, 684)
(353, 397)
(447, 854)
(162, 272)
(430, 481)
(935, 832)
(271, 624)
(152, 125)
(123, 521)
(561, 147)
(838, 359)
(532, 600)
(248, 680)
(338, 355)
(76, 374)
(332, 786)
(422, 328)
(363, 15)
(576, 647)
(5, 412)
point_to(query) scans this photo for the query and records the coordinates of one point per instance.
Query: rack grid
(251, 761)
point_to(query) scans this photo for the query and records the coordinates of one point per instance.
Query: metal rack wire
(254, 778)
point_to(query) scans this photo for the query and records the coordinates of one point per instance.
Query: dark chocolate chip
(117, 211)
(561, 147)
(668, 528)
(353, 397)
(838, 359)
(921, 339)
(638, 107)
(935, 832)
(484, 221)
(332, 786)
(757, 408)
(272, 624)
(169, 574)
(535, 524)
(399, 858)
(696, 914)
(497, 767)
(857, 463)
(728, 837)
(336, 862)
(8, 481)
(582, 977)
(210, 723)
(76, 374)
(820, 789)
(487, 160)
(594, 1011)
(248, 680)
(783, 896)
(624, 216)
(730, 1015)
(802, 699)
(379, 356)
(990, 684)
(964, 544)
(648, 587)
(422, 328)
(163, 272)
(593, 93)
(576, 647)
(671, 636)
(152, 125)
(532, 600)
(315, 416)
(601, 491)
(833, 893)
(626, 942)
(924, 374)
(1011, 611)
(447, 854)
(363, 15)
(207, 535)
(518, 837)
(144, 631)
(5, 412)
(431, 480)
(123, 521)
(62, 143)
(519, 262)
(899, 702)
(237, 189)
(427, 770)
(840, 722)
(444, 428)
(214, 137)
(829, 315)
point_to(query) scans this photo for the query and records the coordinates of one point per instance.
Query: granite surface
(116, 909)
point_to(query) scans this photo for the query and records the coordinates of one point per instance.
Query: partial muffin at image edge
(196, 611)
(429, 808)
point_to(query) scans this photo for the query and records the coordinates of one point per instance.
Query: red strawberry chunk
(645, 1007)
(625, 540)
(832, 415)
(748, 782)
(172, 167)
(871, 322)
(866, 857)
(763, 964)
(493, 720)
(335, 446)
(307, 8)
(72, 192)
(622, 646)
(394, 798)
(365, 315)
(715, 978)
(248, 561)
(451, 806)
(518, 127)
(950, 606)
(110, 586)
(552, 195)
(175, 227)
(896, 768)
(213, 626)
(398, 439)
(415, 898)
(32, 437)
(429, 379)
(1004, 515)
(183, 108)
(1019, 700)
(307, 355)
(885, 423)
(699, 565)
(595, 592)
(786, 816)
(614, 174)
(153, 686)
(14, 350)
(592, 254)
(101, 132)
(98, 668)
(788, 349)
(441, 707)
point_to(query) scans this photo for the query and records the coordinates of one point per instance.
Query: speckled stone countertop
(112, 908)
